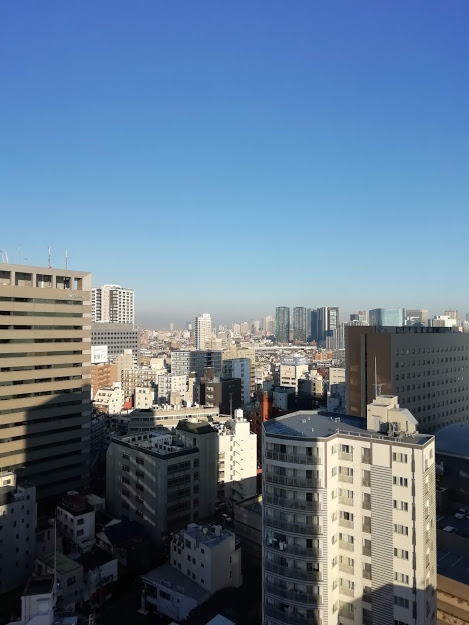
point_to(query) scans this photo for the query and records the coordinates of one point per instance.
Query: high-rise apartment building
(282, 324)
(268, 324)
(299, 324)
(327, 320)
(425, 367)
(452, 314)
(113, 303)
(349, 519)
(386, 317)
(184, 362)
(203, 330)
(45, 404)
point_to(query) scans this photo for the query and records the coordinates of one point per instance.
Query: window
(401, 505)
(140, 461)
(80, 532)
(71, 580)
(401, 578)
(139, 514)
(399, 481)
(140, 474)
(397, 457)
(164, 595)
(401, 553)
(125, 480)
(401, 529)
(139, 487)
(401, 602)
(81, 522)
(125, 456)
(139, 500)
(125, 467)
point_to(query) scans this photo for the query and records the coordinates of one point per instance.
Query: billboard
(98, 354)
(294, 360)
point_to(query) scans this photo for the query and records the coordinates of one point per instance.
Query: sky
(230, 157)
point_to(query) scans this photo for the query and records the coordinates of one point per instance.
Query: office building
(110, 399)
(175, 389)
(282, 324)
(112, 303)
(169, 417)
(184, 362)
(17, 531)
(416, 315)
(349, 519)
(203, 330)
(239, 368)
(118, 337)
(443, 321)
(360, 317)
(425, 367)
(387, 317)
(327, 320)
(203, 559)
(45, 403)
(103, 375)
(138, 377)
(299, 324)
(452, 314)
(289, 374)
(235, 351)
(237, 459)
(222, 394)
(163, 480)
(76, 519)
(268, 324)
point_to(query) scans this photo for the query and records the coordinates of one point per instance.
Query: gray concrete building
(163, 480)
(45, 407)
(184, 362)
(427, 368)
(118, 337)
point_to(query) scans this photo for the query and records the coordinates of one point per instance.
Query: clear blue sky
(231, 156)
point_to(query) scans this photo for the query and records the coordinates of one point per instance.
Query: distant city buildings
(282, 324)
(112, 303)
(386, 317)
(118, 337)
(416, 315)
(203, 330)
(184, 362)
(299, 324)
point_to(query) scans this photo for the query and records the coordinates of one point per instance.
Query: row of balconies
(293, 572)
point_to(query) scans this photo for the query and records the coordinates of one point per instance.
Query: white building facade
(112, 303)
(203, 330)
(349, 520)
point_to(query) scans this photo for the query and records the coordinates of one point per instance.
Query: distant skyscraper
(387, 317)
(416, 315)
(452, 314)
(282, 324)
(268, 324)
(203, 330)
(360, 317)
(299, 324)
(327, 322)
(113, 304)
(313, 321)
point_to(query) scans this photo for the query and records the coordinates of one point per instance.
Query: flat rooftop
(453, 565)
(207, 537)
(172, 578)
(313, 424)
(64, 564)
(39, 585)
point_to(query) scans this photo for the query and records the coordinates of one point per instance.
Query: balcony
(348, 592)
(366, 527)
(293, 458)
(288, 617)
(295, 550)
(366, 505)
(366, 482)
(347, 612)
(292, 595)
(345, 523)
(366, 574)
(292, 572)
(347, 479)
(366, 551)
(346, 546)
(366, 458)
(343, 455)
(296, 528)
(292, 504)
(346, 568)
(298, 482)
(346, 501)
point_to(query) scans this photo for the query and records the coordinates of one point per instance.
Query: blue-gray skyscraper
(282, 324)
(299, 324)
(387, 317)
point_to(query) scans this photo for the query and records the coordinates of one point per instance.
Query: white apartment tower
(349, 532)
(113, 304)
(203, 330)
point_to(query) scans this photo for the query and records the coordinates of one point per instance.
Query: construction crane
(3, 256)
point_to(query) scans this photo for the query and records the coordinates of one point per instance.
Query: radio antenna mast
(48, 256)
(65, 259)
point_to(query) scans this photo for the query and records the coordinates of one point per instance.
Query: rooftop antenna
(48, 256)
(66, 258)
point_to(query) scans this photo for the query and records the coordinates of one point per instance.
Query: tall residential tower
(113, 304)
(282, 324)
(203, 330)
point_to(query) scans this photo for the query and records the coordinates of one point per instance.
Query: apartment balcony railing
(294, 550)
(366, 527)
(292, 595)
(348, 592)
(346, 613)
(366, 482)
(298, 482)
(294, 573)
(291, 504)
(366, 505)
(289, 617)
(366, 458)
(299, 528)
(345, 523)
(366, 551)
(346, 568)
(347, 479)
(346, 501)
(366, 574)
(343, 455)
(293, 458)
(346, 546)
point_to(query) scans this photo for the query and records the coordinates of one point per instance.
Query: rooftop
(64, 564)
(453, 565)
(201, 427)
(314, 424)
(453, 439)
(169, 576)
(39, 585)
(208, 535)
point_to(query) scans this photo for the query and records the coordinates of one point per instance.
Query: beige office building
(349, 519)
(45, 408)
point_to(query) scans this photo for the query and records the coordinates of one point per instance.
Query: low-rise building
(247, 520)
(69, 575)
(109, 400)
(239, 368)
(147, 420)
(100, 573)
(103, 375)
(17, 531)
(76, 519)
(203, 560)
(144, 397)
(138, 377)
(38, 604)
